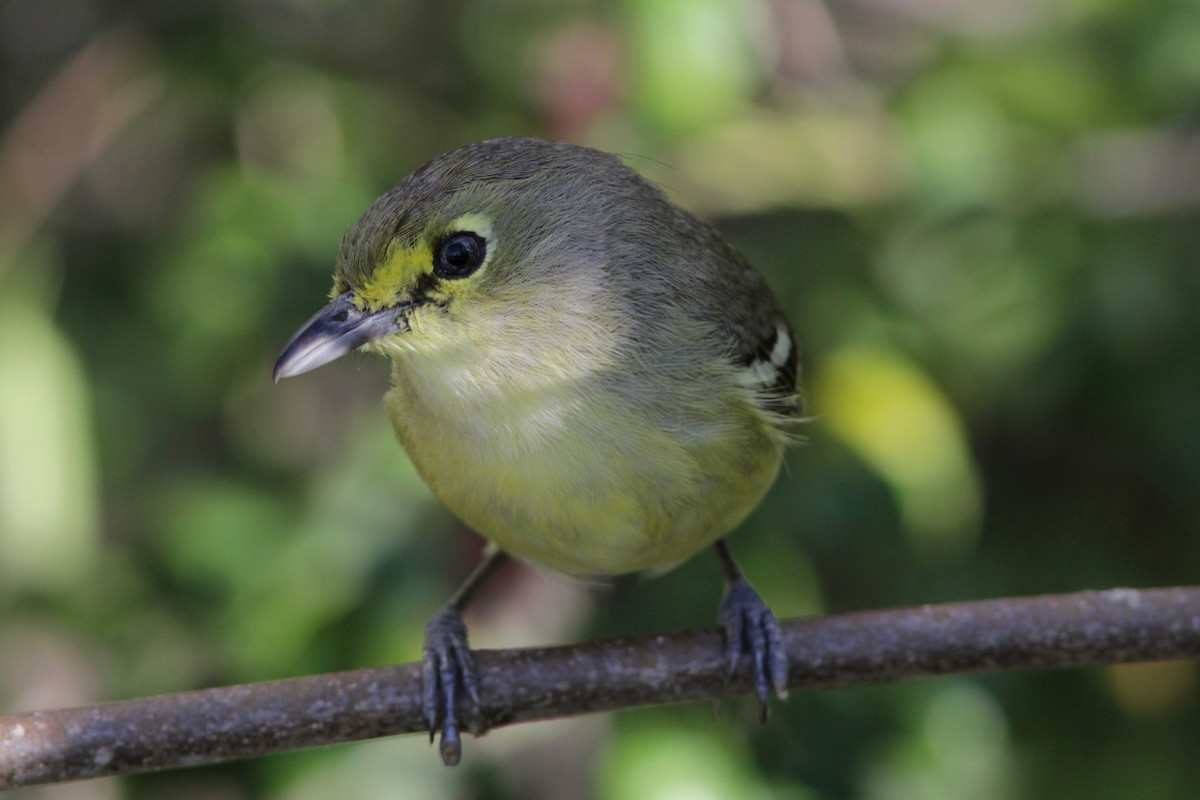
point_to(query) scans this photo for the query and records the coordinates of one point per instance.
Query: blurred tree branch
(203, 727)
(66, 126)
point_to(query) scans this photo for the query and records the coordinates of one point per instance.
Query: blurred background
(981, 215)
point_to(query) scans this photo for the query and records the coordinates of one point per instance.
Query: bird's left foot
(448, 667)
(751, 629)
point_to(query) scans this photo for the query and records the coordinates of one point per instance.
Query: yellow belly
(582, 486)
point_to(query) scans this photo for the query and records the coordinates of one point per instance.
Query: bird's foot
(751, 629)
(448, 671)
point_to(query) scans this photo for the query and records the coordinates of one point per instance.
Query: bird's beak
(332, 332)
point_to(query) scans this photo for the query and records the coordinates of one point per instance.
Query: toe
(777, 663)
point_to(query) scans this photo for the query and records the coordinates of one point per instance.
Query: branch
(213, 725)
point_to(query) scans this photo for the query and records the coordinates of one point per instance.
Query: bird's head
(470, 237)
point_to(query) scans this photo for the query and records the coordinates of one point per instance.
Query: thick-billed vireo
(586, 374)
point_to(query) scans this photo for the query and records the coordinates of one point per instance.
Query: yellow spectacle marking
(395, 277)
(473, 223)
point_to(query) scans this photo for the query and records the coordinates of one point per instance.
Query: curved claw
(448, 667)
(751, 629)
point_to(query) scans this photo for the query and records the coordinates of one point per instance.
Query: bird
(585, 373)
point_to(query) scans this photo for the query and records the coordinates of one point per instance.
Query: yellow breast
(519, 424)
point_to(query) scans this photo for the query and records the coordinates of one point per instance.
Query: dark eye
(458, 255)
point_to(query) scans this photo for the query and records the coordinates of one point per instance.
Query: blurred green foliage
(983, 217)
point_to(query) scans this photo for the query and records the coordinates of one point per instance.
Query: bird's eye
(458, 255)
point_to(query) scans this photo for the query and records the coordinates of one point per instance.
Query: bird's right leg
(449, 667)
(751, 629)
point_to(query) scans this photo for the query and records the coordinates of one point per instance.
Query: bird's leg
(751, 629)
(448, 665)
